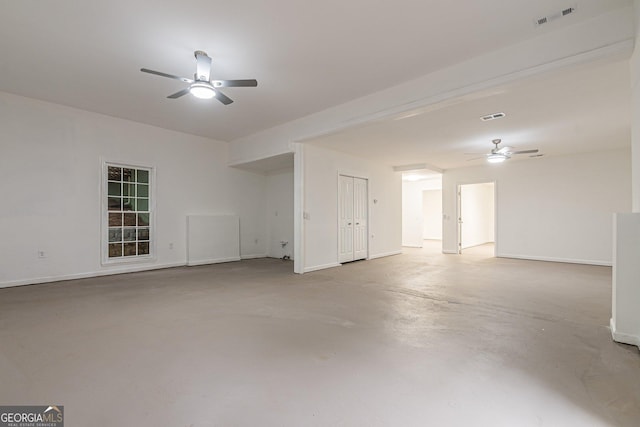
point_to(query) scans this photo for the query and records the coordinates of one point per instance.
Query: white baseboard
(321, 267)
(622, 337)
(374, 256)
(86, 275)
(551, 259)
(253, 256)
(212, 261)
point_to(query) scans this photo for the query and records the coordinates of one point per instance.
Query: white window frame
(104, 241)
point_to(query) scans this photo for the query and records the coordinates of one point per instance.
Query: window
(127, 213)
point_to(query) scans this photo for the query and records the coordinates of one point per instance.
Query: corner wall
(552, 209)
(321, 170)
(50, 180)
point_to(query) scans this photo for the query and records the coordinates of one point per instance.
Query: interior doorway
(422, 209)
(476, 215)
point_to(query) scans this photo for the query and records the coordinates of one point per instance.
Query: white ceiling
(574, 110)
(306, 56)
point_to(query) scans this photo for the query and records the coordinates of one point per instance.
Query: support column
(625, 310)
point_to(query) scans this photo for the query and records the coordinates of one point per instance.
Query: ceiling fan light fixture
(202, 90)
(496, 158)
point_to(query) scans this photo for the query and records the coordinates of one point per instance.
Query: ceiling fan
(201, 86)
(499, 155)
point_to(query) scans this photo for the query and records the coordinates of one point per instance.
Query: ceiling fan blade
(171, 76)
(223, 98)
(505, 150)
(203, 66)
(524, 152)
(235, 83)
(179, 94)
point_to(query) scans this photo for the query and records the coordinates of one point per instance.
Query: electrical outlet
(42, 254)
(306, 215)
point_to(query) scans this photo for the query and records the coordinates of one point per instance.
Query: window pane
(114, 173)
(114, 189)
(128, 205)
(143, 204)
(143, 219)
(129, 249)
(128, 189)
(130, 219)
(115, 234)
(143, 176)
(143, 234)
(115, 203)
(115, 250)
(143, 190)
(143, 248)
(115, 219)
(129, 234)
(128, 175)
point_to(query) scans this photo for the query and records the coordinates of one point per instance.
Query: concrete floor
(410, 340)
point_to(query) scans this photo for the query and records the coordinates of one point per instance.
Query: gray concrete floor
(410, 340)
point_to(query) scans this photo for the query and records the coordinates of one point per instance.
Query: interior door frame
(459, 186)
(352, 174)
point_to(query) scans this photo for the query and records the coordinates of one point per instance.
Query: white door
(345, 218)
(353, 219)
(360, 216)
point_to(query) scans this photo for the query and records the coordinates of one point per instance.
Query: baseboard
(253, 256)
(551, 259)
(212, 261)
(621, 337)
(374, 256)
(321, 267)
(87, 275)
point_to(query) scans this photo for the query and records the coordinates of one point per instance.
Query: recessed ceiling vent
(492, 116)
(552, 17)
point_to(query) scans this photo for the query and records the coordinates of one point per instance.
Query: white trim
(87, 275)
(212, 261)
(298, 209)
(254, 256)
(412, 246)
(621, 337)
(322, 267)
(553, 259)
(385, 254)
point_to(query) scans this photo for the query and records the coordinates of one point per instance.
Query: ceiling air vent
(552, 17)
(492, 116)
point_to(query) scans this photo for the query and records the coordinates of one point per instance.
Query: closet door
(360, 218)
(345, 218)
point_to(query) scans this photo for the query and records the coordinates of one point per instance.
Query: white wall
(556, 208)
(413, 209)
(321, 170)
(635, 111)
(477, 205)
(280, 213)
(50, 175)
(432, 212)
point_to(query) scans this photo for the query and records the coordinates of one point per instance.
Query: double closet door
(353, 216)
